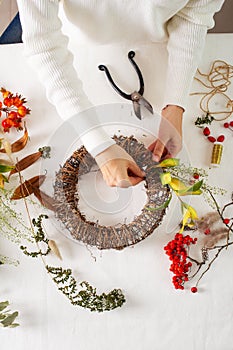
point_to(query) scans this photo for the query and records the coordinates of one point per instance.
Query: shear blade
(137, 109)
(147, 105)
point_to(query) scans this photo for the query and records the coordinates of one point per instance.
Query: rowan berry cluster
(177, 250)
(13, 106)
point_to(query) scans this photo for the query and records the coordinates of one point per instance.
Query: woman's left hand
(169, 141)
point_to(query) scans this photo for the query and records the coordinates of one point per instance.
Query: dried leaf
(28, 187)
(25, 162)
(19, 144)
(47, 201)
(53, 246)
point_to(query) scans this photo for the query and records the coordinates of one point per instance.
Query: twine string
(217, 81)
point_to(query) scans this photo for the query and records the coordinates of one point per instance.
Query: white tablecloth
(155, 316)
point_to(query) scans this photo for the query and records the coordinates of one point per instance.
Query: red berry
(8, 101)
(5, 123)
(226, 221)
(211, 139)
(226, 125)
(0, 104)
(17, 101)
(12, 115)
(221, 138)
(206, 131)
(196, 176)
(207, 231)
(231, 123)
(194, 289)
(22, 111)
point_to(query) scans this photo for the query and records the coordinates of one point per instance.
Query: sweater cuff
(89, 129)
(97, 141)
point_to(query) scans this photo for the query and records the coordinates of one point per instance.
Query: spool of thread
(216, 154)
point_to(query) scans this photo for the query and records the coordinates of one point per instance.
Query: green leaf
(9, 319)
(165, 178)
(13, 325)
(163, 206)
(3, 305)
(5, 168)
(167, 163)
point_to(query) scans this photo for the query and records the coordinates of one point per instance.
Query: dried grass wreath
(92, 233)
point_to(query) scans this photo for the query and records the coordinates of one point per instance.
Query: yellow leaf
(177, 185)
(170, 162)
(192, 212)
(184, 193)
(165, 178)
(1, 181)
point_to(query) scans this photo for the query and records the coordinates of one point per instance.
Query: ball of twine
(92, 233)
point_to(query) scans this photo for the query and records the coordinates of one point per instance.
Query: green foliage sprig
(39, 236)
(87, 297)
(207, 119)
(6, 318)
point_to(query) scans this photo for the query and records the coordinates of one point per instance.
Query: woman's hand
(118, 167)
(169, 141)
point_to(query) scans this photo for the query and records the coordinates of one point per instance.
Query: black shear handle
(131, 55)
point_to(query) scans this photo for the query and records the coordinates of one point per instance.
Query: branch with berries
(13, 109)
(215, 227)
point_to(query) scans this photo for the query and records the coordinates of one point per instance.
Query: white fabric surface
(155, 316)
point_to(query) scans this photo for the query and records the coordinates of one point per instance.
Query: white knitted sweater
(181, 23)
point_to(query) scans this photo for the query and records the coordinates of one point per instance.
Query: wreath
(92, 233)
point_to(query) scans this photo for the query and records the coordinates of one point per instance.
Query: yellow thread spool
(216, 154)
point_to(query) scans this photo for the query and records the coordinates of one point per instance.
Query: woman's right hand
(118, 167)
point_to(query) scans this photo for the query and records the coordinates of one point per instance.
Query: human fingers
(158, 151)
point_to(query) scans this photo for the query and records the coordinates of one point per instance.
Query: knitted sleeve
(46, 48)
(187, 32)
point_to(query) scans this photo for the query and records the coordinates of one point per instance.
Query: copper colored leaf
(47, 201)
(28, 187)
(53, 246)
(19, 144)
(25, 162)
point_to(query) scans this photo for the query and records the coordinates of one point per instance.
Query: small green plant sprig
(39, 236)
(189, 174)
(87, 297)
(207, 119)
(12, 224)
(6, 317)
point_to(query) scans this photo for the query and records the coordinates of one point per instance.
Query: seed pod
(53, 246)
(25, 163)
(28, 187)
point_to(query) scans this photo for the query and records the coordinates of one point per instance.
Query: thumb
(136, 170)
(158, 151)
